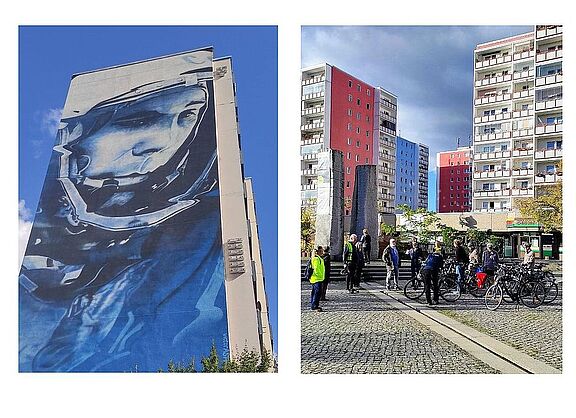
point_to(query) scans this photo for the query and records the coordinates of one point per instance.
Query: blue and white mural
(124, 267)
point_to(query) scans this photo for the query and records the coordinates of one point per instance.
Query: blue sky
(48, 56)
(429, 68)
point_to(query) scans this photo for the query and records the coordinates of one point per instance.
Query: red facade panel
(351, 124)
(454, 181)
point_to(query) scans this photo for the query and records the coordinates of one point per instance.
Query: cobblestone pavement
(360, 333)
(536, 332)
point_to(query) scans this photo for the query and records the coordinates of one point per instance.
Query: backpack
(309, 270)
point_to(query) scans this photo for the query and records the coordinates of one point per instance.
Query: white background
(287, 393)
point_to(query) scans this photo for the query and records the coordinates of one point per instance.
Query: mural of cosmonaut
(123, 270)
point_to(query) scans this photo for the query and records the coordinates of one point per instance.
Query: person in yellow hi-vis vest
(317, 278)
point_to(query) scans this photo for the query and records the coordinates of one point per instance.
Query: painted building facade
(140, 251)
(453, 176)
(411, 174)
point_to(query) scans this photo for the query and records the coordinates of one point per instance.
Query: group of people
(357, 253)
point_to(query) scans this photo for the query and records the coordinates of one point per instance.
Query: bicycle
(530, 292)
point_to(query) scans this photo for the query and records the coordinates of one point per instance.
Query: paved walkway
(368, 333)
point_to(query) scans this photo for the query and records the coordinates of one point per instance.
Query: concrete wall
(364, 205)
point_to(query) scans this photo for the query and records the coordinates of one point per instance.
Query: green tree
(420, 223)
(307, 229)
(545, 208)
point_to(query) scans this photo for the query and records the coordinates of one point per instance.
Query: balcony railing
(309, 172)
(522, 171)
(388, 104)
(309, 186)
(522, 152)
(313, 80)
(311, 141)
(387, 196)
(494, 80)
(387, 117)
(384, 170)
(492, 193)
(312, 95)
(385, 209)
(316, 110)
(492, 210)
(548, 129)
(521, 75)
(493, 61)
(521, 55)
(523, 113)
(491, 174)
(387, 130)
(384, 183)
(386, 157)
(523, 94)
(312, 126)
(493, 118)
(528, 191)
(309, 157)
(496, 155)
(492, 98)
(548, 79)
(518, 133)
(548, 55)
(549, 104)
(493, 136)
(548, 31)
(547, 178)
(549, 153)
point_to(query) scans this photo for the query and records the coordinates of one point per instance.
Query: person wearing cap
(490, 260)
(317, 278)
(430, 271)
(351, 258)
(391, 257)
(528, 255)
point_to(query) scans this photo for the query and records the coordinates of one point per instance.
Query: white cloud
(50, 121)
(24, 228)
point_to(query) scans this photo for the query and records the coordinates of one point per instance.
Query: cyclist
(416, 256)
(461, 260)
(432, 267)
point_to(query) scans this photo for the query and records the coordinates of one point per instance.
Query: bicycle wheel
(413, 289)
(532, 294)
(493, 297)
(511, 291)
(449, 289)
(551, 291)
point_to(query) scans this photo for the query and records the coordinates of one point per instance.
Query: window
(349, 126)
(357, 158)
(349, 141)
(349, 97)
(348, 184)
(367, 134)
(349, 83)
(357, 144)
(368, 106)
(358, 101)
(358, 87)
(347, 170)
(367, 118)
(367, 147)
(349, 112)
(366, 160)
(348, 156)
(368, 93)
(358, 116)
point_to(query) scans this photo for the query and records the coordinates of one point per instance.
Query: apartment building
(454, 180)
(342, 113)
(517, 142)
(411, 174)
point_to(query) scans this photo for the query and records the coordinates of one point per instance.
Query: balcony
(387, 196)
(522, 171)
(493, 118)
(549, 79)
(389, 118)
(308, 187)
(502, 59)
(493, 136)
(522, 152)
(309, 157)
(496, 155)
(388, 104)
(492, 98)
(385, 209)
(492, 193)
(312, 127)
(549, 104)
(316, 110)
(316, 139)
(313, 95)
(384, 170)
(308, 172)
(492, 210)
(523, 113)
(529, 191)
(523, 94)
(384, 183)
(548, 129)
(387, 131)
(313, 80)
(491, 174)
(522, 55)
(548, 55)
(547, 178)
(518, 133)
(494, 80)
(521, 75)
(549, 153)
(386, 157)
(550, 30)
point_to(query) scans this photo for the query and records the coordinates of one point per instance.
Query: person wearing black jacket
(416, 256)
(432, 267)
(366, 241)
(326, 258)
(350, 257)
(461, 261)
